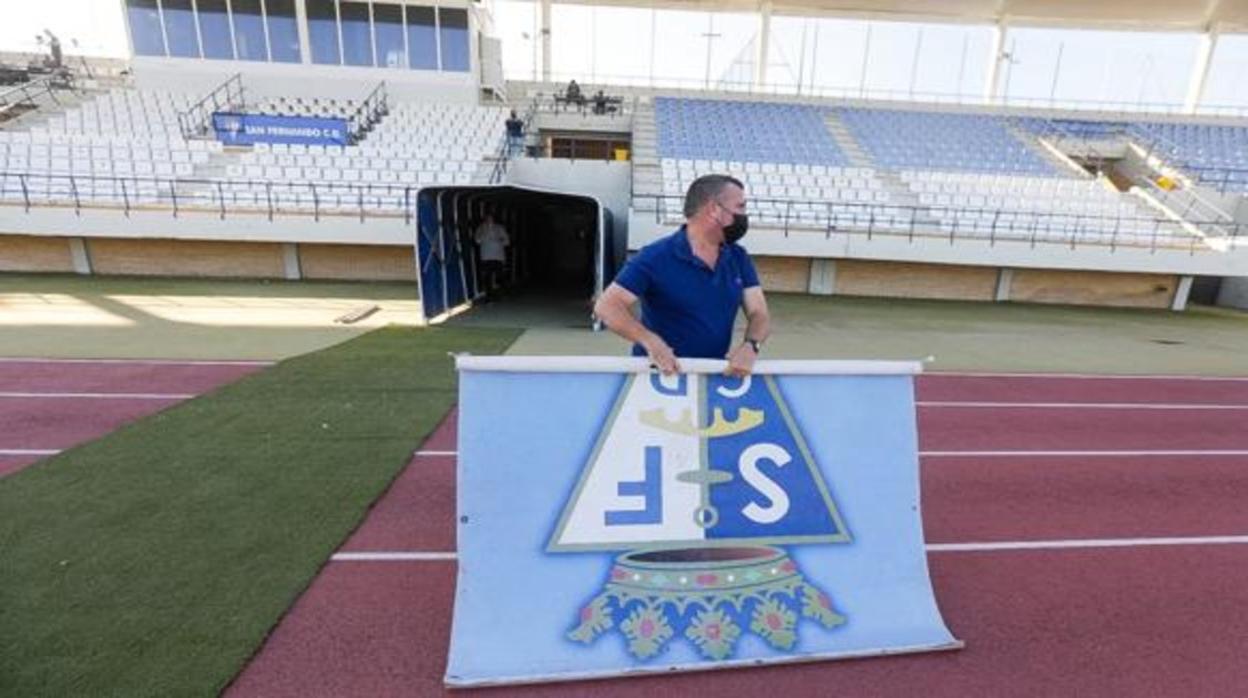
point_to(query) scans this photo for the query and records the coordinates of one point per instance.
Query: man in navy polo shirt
(691, 284)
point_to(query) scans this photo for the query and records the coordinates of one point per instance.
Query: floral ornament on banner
(710, 606)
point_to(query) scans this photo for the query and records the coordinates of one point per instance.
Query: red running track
(1140, 621)
(52, 405)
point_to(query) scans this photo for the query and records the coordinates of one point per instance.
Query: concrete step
(215, 167)
(1033, 143)
(49, 106)
(854, 153)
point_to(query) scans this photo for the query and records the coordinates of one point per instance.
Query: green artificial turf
(154, 561)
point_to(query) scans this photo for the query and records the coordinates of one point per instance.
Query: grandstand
(850, 193)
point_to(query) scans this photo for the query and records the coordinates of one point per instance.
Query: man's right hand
(661, 355)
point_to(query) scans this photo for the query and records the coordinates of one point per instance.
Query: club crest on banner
(697, 484)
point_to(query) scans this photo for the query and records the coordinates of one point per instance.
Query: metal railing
(1152, 145)
(956, 223)
(368, 114)
(1204, 217)
(380, 201)
(1228, 180)
(196, 121)
(220, 197)
(27, 94)
(792, 90)
(612, 106)
(506, 150)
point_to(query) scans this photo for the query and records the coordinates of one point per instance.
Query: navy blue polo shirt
(690, 305)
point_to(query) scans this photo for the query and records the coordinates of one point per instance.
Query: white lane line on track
(995, 546)
(1083, 405)
(28, 452)
(921, 403)
(1079, 454)
(1083, 376)
(154, 362)
(393, 557)
(101, 396)
(1084, 543)
(1009, 454)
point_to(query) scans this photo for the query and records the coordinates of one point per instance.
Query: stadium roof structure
(1175, 15)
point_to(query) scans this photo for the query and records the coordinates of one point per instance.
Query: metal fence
(221, 197)
(747, 88)
(196, 121)
(368, 114)
(960, 223)
(26, 95)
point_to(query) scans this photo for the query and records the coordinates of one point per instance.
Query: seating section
(80, 153)
(1215, 154)
(327, 107)
(794, 172)
(759, 132)
(122, 132)
(780, 193)
(1048, 208)
(959, 174)
(126, 148)
(415, 145)
(943, 141)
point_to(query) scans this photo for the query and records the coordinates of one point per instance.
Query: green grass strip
(153, 561)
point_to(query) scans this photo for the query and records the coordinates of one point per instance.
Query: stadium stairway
(1032, 141)
(898, 191)
(647, 175)
(1136, 176)
(66, 100)
(1144, 206)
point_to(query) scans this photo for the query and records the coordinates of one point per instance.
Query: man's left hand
(741, 361)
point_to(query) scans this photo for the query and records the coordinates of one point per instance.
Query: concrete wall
(785, 274)
(29, 253)
(205, 225)
(206, 258)
(937, 249)
(295, 80)
(1093, 288)
(375, 263)
(910, 280)
(186, 258)
(1234, 292)
(856, 277)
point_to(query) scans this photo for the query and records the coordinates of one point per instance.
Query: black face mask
(737, 229)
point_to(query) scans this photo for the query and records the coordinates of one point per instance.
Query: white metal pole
(546, 39)
(996, 55)
(301, 26)
(1205, 49)
(914, 64)
(866, 59)
(761, 46)
(1057, 72)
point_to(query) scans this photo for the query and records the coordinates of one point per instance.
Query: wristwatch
(755, 344)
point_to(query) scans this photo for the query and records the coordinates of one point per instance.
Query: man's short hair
(706, 188)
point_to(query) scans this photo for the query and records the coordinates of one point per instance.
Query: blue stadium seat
(943, 141)
(705, 129)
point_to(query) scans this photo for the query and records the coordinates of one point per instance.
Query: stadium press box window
(340, 32)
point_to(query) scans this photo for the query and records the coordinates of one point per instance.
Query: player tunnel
(560, 246)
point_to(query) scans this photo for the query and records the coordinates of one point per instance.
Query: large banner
(613, 521)
(235, 128)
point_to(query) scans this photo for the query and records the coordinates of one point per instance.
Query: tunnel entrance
(558, 252)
